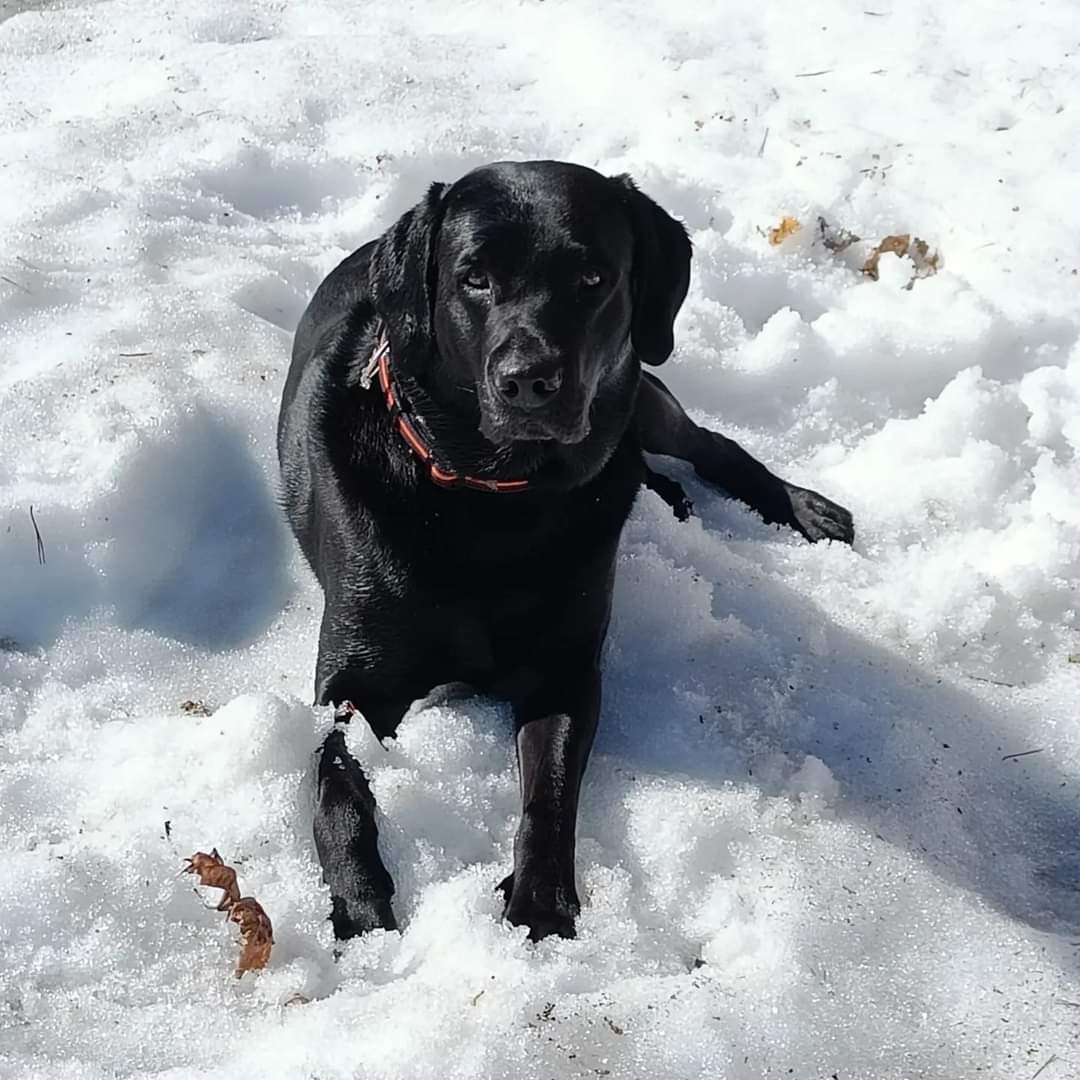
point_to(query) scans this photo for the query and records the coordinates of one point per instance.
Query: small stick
(992, 682)
(764, 140)
(1023, 753)
(1049, 1061)
(40, 542)
(812, 74)
(21, 288)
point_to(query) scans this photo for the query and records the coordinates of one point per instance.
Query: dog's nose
(528, 387)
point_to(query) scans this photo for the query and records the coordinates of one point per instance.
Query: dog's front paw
(818, 518)
(544, 907)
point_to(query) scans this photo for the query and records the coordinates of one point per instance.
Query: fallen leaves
(836, 240)
(256, 934)
(256, 931)
(211, 870)
(788, 226)
(926, 262)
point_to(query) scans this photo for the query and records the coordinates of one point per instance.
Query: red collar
(398, 410)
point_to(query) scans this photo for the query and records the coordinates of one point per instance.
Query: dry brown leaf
(788, 226)
(926, 262)
(256, 933)
(895, 245)
(212, 871)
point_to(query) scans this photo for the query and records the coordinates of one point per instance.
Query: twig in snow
(812, 74)
(764, 140)
(129, 354)
(1049, 1061)
(992, 682)
(40, 542)
(21, 288)
(1023, 753)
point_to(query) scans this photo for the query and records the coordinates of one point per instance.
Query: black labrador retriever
(461, 440)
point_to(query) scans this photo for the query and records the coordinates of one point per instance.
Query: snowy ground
(801, 778)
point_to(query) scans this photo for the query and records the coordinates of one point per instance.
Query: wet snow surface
(801, 777)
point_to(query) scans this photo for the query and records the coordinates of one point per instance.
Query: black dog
(461, 440)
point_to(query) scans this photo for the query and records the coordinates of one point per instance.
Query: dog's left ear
(661, 273)
(403, 278)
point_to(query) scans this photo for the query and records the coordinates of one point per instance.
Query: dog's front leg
(664, 428)
(347, 842)
(346, 834)
(555, 730)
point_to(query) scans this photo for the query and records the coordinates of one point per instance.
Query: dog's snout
(527, 385)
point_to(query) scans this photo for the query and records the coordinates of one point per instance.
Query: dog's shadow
(714, 667)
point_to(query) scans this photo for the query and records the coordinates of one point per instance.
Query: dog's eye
(477, 279)
(591, 278)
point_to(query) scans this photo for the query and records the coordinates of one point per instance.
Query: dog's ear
(403, 278)
(661, 273)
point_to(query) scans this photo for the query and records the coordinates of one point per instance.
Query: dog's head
(521, 291)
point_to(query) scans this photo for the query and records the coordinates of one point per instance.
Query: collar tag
(382, 348)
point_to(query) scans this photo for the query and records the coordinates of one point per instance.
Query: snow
(805, 849)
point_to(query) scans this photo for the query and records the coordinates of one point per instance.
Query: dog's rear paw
(818, 518)
(543, 907)
(351, 919)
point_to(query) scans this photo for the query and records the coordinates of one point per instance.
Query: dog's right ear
(403, 278)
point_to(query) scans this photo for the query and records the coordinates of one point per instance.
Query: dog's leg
(555, 732)
(346, 835)
(346, 839)
(664, 428)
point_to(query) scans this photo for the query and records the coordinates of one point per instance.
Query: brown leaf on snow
(788, 226)
(896, 245)
(256, 933)
(212, 871)
(926, 262)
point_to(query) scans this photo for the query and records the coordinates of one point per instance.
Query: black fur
(514, 272)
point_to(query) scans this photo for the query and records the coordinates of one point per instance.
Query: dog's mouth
(565, 420)
(503, 426)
